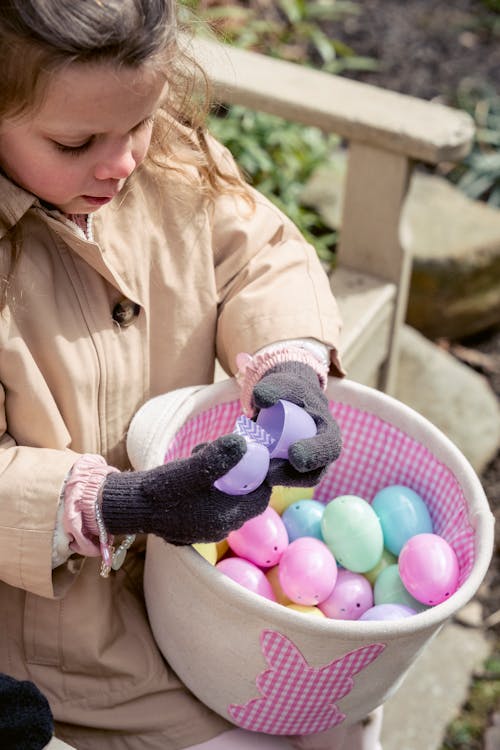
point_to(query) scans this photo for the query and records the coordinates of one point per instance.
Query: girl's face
(91, 132)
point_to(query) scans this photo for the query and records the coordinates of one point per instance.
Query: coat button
(125, 311)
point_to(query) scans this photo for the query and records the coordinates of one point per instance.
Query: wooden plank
(375, 189)
(367, 306)
(370, 241)
(423, 130)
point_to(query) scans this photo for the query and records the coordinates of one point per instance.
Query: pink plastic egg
(351, 596)
(429, 568)
(261, 539)
(307, 571)
(248, 575)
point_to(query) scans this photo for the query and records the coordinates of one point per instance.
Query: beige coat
(206, 283)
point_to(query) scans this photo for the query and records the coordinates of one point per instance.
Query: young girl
(132, 256)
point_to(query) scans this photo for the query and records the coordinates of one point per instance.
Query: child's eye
(74, 150)
(145, 123)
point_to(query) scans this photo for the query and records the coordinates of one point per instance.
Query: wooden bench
(386, 134)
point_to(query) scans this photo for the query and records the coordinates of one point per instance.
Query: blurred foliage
(278, 156)
(466, 732)
(292, 30)
(479, 174)
(493, 5)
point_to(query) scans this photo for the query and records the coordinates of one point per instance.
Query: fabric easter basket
(260, 665)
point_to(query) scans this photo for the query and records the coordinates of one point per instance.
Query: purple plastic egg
(429, 568)
(388, 612)
(261, 540)
(307, 571)
(249, 472)
(248, 575)
(285, 423)
(351, 596)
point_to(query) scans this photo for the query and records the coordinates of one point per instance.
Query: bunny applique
(297, 698)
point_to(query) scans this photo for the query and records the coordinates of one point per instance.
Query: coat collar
(14, 203)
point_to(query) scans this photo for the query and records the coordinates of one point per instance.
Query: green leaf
(294, 10)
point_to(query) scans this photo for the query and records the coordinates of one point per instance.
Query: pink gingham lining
(375, 454)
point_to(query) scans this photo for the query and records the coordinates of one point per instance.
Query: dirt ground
(424, 47)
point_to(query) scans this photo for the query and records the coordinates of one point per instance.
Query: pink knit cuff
(80, 495)
(251, 369)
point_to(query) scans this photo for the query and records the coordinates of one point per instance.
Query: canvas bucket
(260, 665)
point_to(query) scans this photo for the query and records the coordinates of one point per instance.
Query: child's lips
(98, 200)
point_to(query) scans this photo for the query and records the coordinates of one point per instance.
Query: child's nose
(117, 165)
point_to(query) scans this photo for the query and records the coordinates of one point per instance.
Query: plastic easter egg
(249, 472)
(208, 550)
(388, 612)
(352, 531)
(261, 539)
(387, 559)
(282, 497)
(307, 571)
(352, 595)
(303, 518)
(272, 576)
(429, 568)
(389, 589)
(285, 423)
(306, 609)
(246, 574)
(222, 547)
(402, 514)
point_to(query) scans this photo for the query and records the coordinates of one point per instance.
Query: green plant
(493, 5)
(278, 157)
(289, 29)
(479, 173)
(467, 730)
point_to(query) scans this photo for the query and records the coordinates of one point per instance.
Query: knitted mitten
(178, 502)
(307, 459)
(25, 716)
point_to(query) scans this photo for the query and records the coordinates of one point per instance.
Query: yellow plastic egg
(307, 610)
(272, 576)
(387, 559)
(208, 550)
(222, 548)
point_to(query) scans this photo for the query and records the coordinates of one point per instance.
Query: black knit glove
(307, 459)
(178, 501)
(25, 717)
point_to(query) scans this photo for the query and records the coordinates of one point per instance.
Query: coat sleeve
(30, 484)
(271, 285)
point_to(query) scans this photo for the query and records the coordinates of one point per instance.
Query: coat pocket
(42, 643)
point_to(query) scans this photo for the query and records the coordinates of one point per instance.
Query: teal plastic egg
(402, 514)
(353, 533)
(389, 589)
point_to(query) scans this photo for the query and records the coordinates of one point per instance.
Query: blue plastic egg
(353, 532)
(303, 518)
(402, 514)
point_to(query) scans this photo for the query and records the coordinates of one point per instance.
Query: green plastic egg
(353, 533)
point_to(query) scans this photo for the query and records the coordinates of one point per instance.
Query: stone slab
(416, 717)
